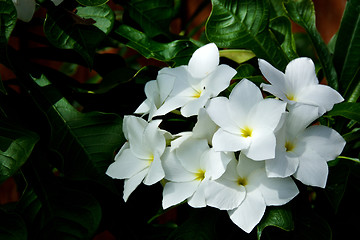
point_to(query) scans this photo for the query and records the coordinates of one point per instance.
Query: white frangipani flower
(245, 191)
(304, 151)
(194, 83)
(189, 168)
(26, 8)
(139, 160)
(299, 84)
(247, 121)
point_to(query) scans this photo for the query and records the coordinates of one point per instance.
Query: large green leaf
(86, 141)
(92, 2)
(16, 145)
(12, 226)
(303, 13)
(347, 48)
(82, 32)
(178, 51)
(154, 17)
(244, 24)
(7, 20)
(347, 110)
(280, 217)
(60, 213)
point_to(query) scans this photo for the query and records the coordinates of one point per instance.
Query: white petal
(299, 117)
(131, 184)
(204, 127)
(275, 191)
(225, 141)
(274, 76)
(144, 107)
(267, 112)
(197, 200)
(154, 138)
(243, 97)
(263, 143)
(277, 92)
(165, 86)
(224, 194)
(250, 211)
(152, 92)
(174, 171)
(155, 173)
(246, 166)
(220, 112)
(313, 169)
(325, 141)
(204, 61)
(190, 152)
(215, 163)
(320, 95)
(126, 165)
(300, 73)
(283, 165)
(175, 193)
(172, 103)
(193, 106)
(220, 79)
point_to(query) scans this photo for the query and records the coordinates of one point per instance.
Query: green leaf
(86, 141)
(303, 13)
(16, 145)
(12, 226)
(336, 184)
(244, 24)
(237, 55)
(92, 2)
(8, 19)
(154, 17)
(60, 213)
(281, 28)
(347, 47)
(347, 110)
(178, 51)
(82, 32)
(280, 217)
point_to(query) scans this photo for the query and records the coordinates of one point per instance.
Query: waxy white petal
(155, 172)
(274, 76)
(126, 165)
(190, 154)
(204, 61)
(226, 141)
(250, 211)
(175, 192)
(325, 141)
(263, 143)
(313, 169)
(197, 200)
(131, 184)
(174, 171)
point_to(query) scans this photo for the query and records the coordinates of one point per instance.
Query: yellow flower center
(151, 159)
(241, 181)
(289, 146)
(246, 132)
(200, 175)
(291, 97)
(197, 93)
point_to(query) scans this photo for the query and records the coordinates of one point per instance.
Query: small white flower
(247, 121)
(190, 86)
(299, 84)
(244, 191)
(189, 168)
(140, 158)
(304, 151)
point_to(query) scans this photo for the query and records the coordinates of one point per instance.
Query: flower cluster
(244, 151)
